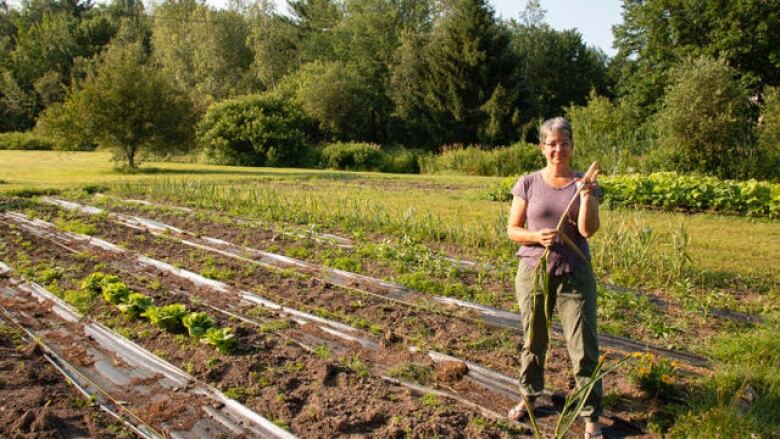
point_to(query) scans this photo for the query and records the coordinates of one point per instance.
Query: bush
(255, 130)
(352, 156)
(401, 161)
(768, 134)
(516, 159)
(607, 132)
(704, 125)
(25, 141)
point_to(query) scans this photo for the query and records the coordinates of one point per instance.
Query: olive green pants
(575, 296)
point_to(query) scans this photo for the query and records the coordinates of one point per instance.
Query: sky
(592, 18)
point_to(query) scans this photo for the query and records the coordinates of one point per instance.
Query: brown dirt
(491, 282)
(36, 401)
(281, 381)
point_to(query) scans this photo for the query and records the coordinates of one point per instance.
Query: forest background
(393, 85)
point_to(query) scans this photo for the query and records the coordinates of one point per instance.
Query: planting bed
(36, 399)
(313, 394)
(489, 316)
(386, 373)
(497, 402)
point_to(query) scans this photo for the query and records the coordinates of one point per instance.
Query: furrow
(127, 376)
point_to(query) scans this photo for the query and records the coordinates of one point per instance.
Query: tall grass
(473, 160)
(631, 254)
(624, 252)
(742, 398)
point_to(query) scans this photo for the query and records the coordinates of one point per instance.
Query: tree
(128, 106)
(202, 50)
(467, 92)
(657, 34)
(705, 122)
(557, 68)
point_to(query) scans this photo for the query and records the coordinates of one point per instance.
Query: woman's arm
(588, 219)
(516, 230)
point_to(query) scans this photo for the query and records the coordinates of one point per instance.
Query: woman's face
(557, 148)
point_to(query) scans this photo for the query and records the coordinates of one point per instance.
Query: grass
(418, 213)
(438, 207)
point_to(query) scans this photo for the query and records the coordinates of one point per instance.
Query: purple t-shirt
(545, 207)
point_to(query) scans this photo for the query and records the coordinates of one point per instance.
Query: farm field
(376, 304)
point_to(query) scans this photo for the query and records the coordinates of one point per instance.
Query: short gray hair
(555, 124)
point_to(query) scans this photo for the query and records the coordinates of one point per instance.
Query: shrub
(25, 141)
(607, 132)
(352, 156)
(768, 133)
(704, 124)
(255, 130)
(516, 159)
(401, 161)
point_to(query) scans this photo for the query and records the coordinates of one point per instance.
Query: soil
(279, 380)
(492, 283)
(37, 402)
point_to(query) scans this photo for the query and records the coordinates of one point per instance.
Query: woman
(540, 198)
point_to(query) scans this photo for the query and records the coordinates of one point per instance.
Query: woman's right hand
(547, 236)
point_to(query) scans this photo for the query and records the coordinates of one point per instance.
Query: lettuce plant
(136, 304)
(223, 339)
(115, 293)
(197, 323)
(168, 317)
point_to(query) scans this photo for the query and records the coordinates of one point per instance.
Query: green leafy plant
(197, 323)
(654, 375)
(116, 292)
(93, 283)
(168, 317)
(136, 304)
(223, 339)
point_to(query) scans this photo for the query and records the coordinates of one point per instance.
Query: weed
(413, 372)
(277, 325)
(356, 365)
(323, 352)
(237, 393)
(430, 400)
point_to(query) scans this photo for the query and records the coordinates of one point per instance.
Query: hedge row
(25, 141)
(671, 191)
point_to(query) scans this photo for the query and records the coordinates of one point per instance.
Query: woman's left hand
(587, 185)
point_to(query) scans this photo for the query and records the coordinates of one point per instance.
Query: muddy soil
(37, 402)
(313, 396)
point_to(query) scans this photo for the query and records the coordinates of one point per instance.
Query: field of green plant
(703, 284)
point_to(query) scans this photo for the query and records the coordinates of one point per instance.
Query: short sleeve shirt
(545, 205)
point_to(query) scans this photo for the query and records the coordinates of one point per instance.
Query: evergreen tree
(470, 86)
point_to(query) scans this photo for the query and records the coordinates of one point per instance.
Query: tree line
(692, 87)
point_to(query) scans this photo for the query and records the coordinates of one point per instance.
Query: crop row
(672, 191)
(416, 267)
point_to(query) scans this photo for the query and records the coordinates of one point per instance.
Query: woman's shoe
(518, 412)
